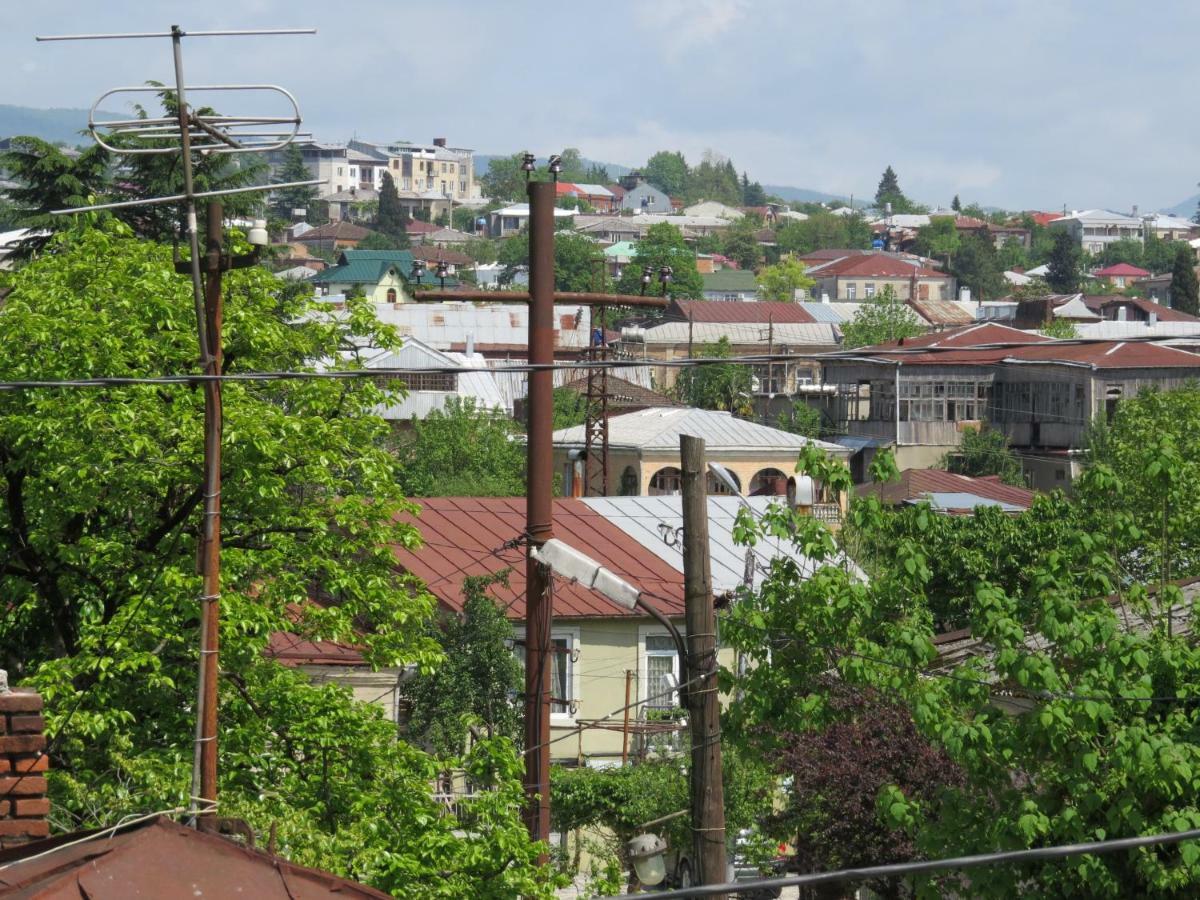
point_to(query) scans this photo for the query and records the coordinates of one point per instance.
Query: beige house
(379, 273)
(643, 451)
(863, 276)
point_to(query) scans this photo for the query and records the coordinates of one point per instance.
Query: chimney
(1122, 313)
(964, 295)
(1152, 320)
(439, 142)
(22, 767)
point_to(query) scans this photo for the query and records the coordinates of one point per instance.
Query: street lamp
(527, 163)
(646, 853)
(418, 269)
(647, 274)
(555, 166)
(664, 276)
(442, 270)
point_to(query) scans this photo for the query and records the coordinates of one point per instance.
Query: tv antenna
(185, 133)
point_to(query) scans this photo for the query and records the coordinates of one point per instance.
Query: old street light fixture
(646, 853)
(664, 277)
(555, 167)
(527, 163)
(442, 271)
(647, 274)
(418, 269)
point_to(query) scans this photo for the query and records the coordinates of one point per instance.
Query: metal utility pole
(539, 509)
(704, 711)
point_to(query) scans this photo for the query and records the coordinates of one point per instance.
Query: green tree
(505, 179)
(956, 204)
(1065, 264)
(578, 261)
(714, 179)
(802, 419)
(1185, 293)
(1126, 250)
(985, 452)
(722, 386)
(572, 166)
(782, 280)
(285, 200)
(1060, 329)
(45, 179)
(570, 408)
(390, 218)
(889, 191)
(597, 174)
(752, 192)
(668, 171)
(663, 245)
(101, 513)
(880, 319)
(824, 231)
(461, 451)
(475, 686)
(976, 266)
(377, 241)
(939, 239)
(740, 244)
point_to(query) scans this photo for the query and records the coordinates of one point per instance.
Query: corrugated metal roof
(823, 312)
(814, 334)
(730, 280)
(446, 326)
(654, 523)
(941, 312)
(763, 311)
(1110, 330)
(659, 429)
(479, 386)
(160, 858)
(915, 483)
(467, 536)
(953, 501)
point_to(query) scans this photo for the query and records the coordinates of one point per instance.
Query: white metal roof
(443, 326)
(659, 428)
(1117, 331)
(479, 386)
(522, 209)
(822, 334)
(655, 523)
(1099, 215)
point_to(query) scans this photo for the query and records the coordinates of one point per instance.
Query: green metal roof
(740, 280)
(366, 266)
(621, 248)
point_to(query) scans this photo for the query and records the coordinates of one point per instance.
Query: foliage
(802, 419)
(570, 408)
(836, 774)
(481, 250)
(889, 191)
(668, 172)
(578, 261)
(824, 231)
(938, 239)
(752, 192)
(714, 178)
(984, 452)
(782, 280)
(956, 204)
(505, 180)
(739, 243)
(882, 318)
(1185, 292)
(101, 515)
(723, 386)
(285, 200)
(462, 450)
(1078, 751)
(977, 267)
(379, 241)
(663, 245)
(390, 219)
(1065, 265)
(46, 179)
(474, 688)
(1060, 329)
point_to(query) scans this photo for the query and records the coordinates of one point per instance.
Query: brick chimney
(24, 806)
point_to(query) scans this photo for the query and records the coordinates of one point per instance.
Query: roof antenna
(185, 132)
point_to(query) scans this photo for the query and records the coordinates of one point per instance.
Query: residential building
(596, 196)
(381, 274)
(713, 208)
(510, 219)
(730, 284)
(443, 237)
(643, 451)
(333, 236)
(1095, 229)
(611, 229)
(642, 197)
(617, 256)
(437, 168)
(919, 394)
(950, 493)
(1037, 312)
(942, 314)
(426, 392)
(1171, 228)
(1121, 275)
(434, 255)
(863, 276)
(354, 204)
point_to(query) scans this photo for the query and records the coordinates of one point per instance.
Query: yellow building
(379, 273)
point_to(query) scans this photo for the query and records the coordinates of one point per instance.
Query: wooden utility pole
(704, 711)
(625, 725)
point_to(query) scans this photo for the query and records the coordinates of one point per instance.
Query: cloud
(682, 25)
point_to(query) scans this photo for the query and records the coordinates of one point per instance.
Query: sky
(1019, 104)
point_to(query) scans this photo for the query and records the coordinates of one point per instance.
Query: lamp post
(442, 271)
(418, 269)
(665, 274)
(647, 274)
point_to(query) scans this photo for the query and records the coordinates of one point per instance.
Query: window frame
(644, 655)
(569, 634)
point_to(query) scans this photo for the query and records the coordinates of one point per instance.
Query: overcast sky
(1018, 104)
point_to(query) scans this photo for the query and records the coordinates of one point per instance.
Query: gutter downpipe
(899, 363)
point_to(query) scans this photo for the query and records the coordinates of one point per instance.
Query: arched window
(629, 482)
(391, 295)
(667, 480)
(768, 483)
(717, 486)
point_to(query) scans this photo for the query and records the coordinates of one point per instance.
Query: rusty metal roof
(914, 484)
(475, 536)
(160, 858)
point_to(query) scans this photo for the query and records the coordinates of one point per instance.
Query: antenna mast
(185, 133)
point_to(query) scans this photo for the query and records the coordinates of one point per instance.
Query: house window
(445, 382)
(852, 291)
(443, 187)
(391, 295)
(564, 644)
(407, 184)
(462, 187)
(353, 172)
(429, 183)
(870, 291)
(667, 480)
(443, 168)
(339, 170)
(662, 668)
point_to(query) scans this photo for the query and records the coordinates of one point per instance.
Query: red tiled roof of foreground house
(474, 536)
(915, 483)
(873, 265)
(741, 311)
(1121, 269)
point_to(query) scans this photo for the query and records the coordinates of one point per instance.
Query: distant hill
(1185, 209)
(53, 125)
(805, 195)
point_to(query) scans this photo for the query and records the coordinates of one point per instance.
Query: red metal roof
(941, 312)
(1103, 303)
(292, 650)
(741, 311)
(1045, 218)
(160, 858)
(468, 536)
(1120, 269)
(967, 336)
(874, 265)
(914, 483)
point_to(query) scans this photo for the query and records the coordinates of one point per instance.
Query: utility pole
(539, 509)
(704, 711)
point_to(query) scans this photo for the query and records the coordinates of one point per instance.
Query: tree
(956, 204)
(597, 174)
(578, 261)
(390, 219)
(782, 280)
(46, 179)
(572, 165)
(824, 231)
(285, 201)
(976, 266)
(1060, 329)
(984, 452)
(377, 241)
(752, 192)
(1185, 293)
(739, 243)
(889, 192)
(722, 386)
(714, 179)
(100, 517)
(570, 408)
(802, 419)
(939, 239)
(663, 245)
(882, 318)
(462, 450)
(667, 171)
(476, 685)
(1064, 273)
(505, 179)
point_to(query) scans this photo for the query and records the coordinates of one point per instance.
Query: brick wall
(23, 802)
